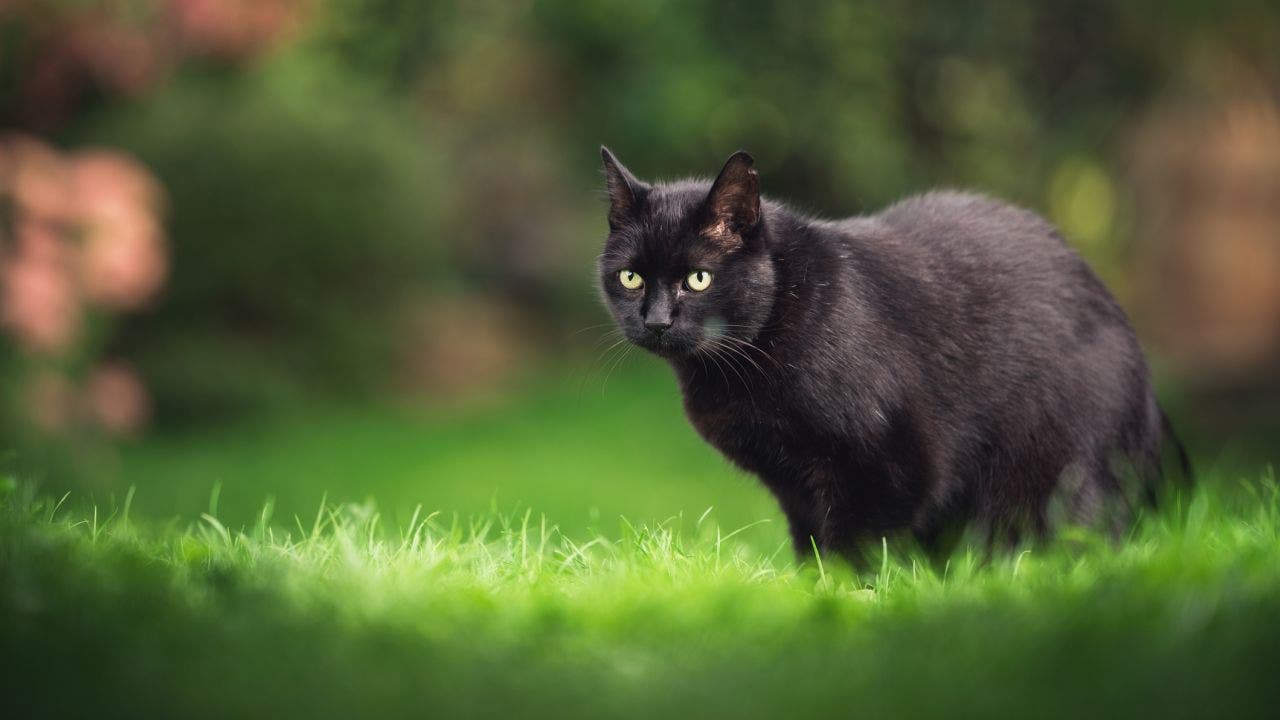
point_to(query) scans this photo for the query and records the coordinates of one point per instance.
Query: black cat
(946, 362)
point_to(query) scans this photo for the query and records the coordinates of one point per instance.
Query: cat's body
(948, 361)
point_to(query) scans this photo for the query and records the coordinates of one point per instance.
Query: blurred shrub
(59, 56)
(341, 170)
(301, 211)
(81, 243)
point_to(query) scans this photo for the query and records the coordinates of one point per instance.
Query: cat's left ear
(733, 205)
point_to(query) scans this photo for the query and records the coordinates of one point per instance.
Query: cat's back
(964, 247)
(987, 291)
(974, 227)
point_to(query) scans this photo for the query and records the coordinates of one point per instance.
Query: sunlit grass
(340, 614)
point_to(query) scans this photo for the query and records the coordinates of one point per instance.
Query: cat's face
(685, 268)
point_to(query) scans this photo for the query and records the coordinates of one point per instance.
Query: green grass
(343, 616)
(579, 552)
(581, 451)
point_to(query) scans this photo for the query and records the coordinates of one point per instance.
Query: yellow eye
(698, 280)
(630, 280)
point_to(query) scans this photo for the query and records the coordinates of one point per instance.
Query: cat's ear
(733, 205)
(625, 191)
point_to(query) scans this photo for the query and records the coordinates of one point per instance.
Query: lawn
(582, 450)
(579, 553)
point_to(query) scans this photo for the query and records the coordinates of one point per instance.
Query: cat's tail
(1184, 462)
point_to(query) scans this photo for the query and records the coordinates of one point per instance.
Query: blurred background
(257, 249)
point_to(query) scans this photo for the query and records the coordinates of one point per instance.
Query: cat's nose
(657, 327)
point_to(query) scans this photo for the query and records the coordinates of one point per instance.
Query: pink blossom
(105, 180)
(37, 179)
(85, 228)
(122, 265)
(117, 400)
(38, 300)
(122, 262)
(119, 55)
(39, 304)
(40, 241)
(233, 28)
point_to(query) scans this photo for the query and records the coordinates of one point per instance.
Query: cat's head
(686, 266)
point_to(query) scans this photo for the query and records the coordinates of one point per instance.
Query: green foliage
(301, 215)
(339, 615)
(846, 105)
(401, 144)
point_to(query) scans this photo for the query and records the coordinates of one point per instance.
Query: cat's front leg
(799, 506)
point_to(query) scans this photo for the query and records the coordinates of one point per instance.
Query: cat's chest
(754, 430)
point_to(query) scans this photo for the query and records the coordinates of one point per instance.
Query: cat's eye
(698, 280)
(630, 280)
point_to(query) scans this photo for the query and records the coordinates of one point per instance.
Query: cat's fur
(949, 361)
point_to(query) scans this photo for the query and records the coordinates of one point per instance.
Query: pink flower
(40, 241)
(122, 261)
(117, 400)
(38, 303)
(37, 178)
(122, 265)
(107, 180)
(37, 297)
(84, 228)
(118, 57)
(232, 29)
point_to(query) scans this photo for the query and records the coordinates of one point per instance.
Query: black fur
(946, 362)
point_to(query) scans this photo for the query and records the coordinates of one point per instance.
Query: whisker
(612, 334)
(721, 351)
(731, 356)
(598, 362)
(714, 356)
(592, 327)
(752, 346)
(621, 358)
(744, 356)
(605, 355)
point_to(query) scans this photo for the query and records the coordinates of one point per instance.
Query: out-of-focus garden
(281, 248)
(309, 408)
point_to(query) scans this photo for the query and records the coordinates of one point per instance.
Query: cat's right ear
(733, 205)
(625, 191)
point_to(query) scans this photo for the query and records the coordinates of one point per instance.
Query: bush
(301, 215)
(81, 244)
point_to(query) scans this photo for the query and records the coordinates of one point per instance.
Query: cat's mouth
(667, 345)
